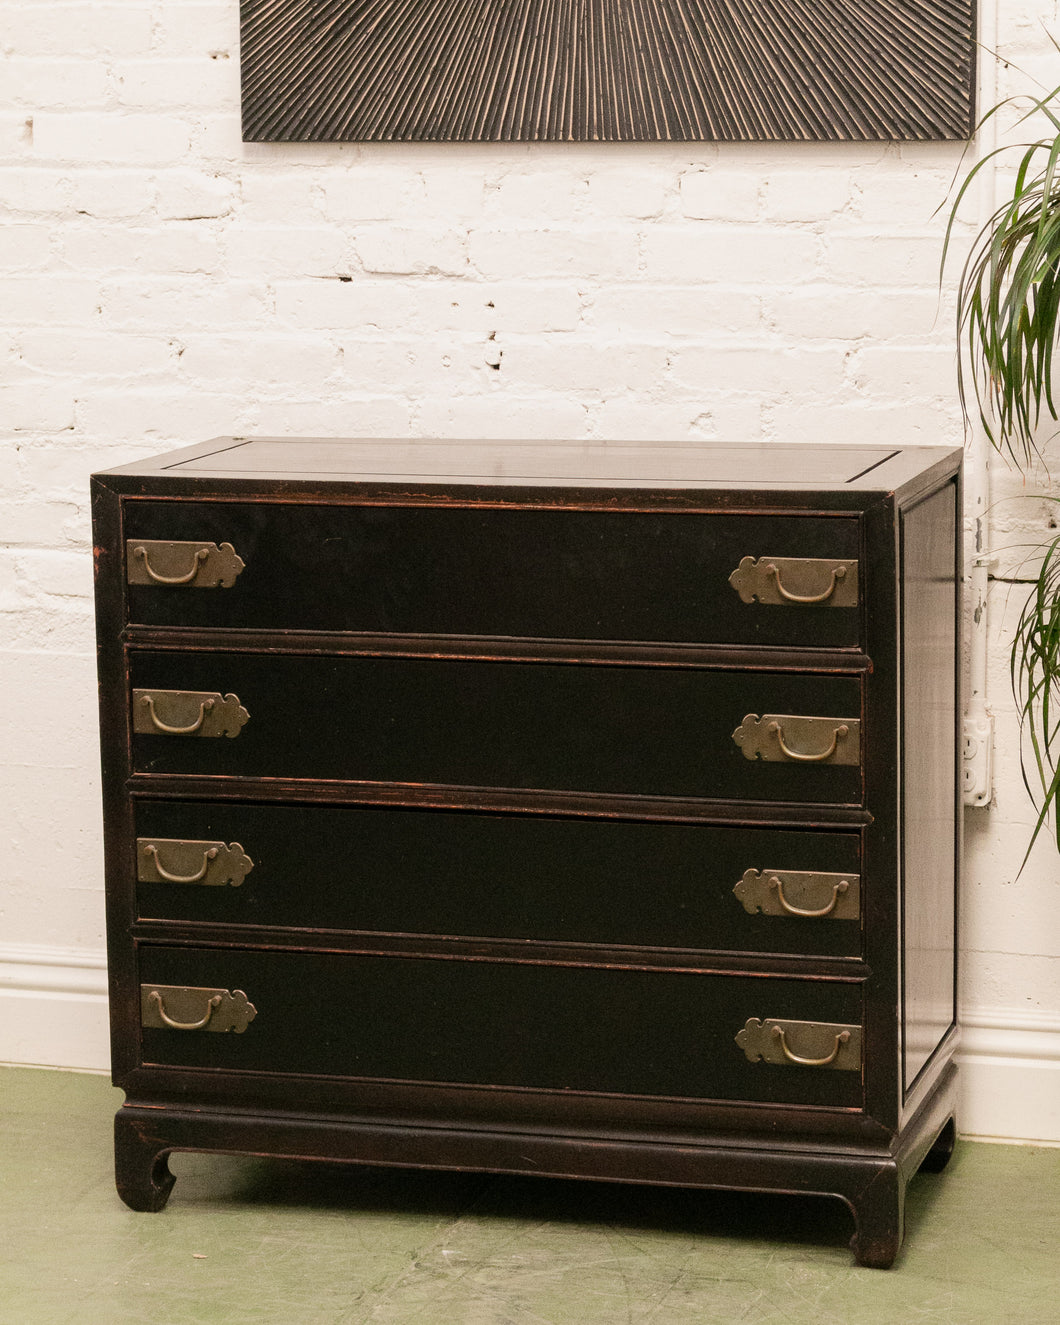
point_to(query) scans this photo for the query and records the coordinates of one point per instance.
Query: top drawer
(529, 572)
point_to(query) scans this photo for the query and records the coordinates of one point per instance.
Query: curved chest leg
(141, 1169)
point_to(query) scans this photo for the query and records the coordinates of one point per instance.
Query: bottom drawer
(484, 1022)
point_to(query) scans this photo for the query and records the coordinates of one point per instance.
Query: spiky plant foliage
(1008, 295)
(1035, 671)
(1008, 319)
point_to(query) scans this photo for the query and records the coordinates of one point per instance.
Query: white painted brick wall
(161, 281)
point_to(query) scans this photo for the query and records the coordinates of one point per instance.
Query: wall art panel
(607, 70)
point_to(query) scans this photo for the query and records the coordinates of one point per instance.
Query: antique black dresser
(571, 809)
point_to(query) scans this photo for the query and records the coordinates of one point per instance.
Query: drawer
(555, 1028)
(530, 572)
(661, 731)
(500, 876)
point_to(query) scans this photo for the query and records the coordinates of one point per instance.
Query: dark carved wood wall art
(607, 70)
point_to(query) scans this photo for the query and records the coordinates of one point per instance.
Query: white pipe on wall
(978, 733)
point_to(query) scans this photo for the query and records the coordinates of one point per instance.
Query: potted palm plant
(1008, 319)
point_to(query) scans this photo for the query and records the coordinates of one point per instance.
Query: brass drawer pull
(210, 854)
(838, 733)
(205, 713)
(221, 863)
(200, 556)
(186, 1008)
(791, 737)
(156, 998)
(205, 706)
(823, 1044)
(800, 581)
(213, 565)
(764, 891)
(781, 1035)
(837, 891)
(838, 573)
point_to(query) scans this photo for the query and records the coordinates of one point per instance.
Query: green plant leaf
(1008, 293)
(1035, 674)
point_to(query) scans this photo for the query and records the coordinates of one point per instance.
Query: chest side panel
(930, 748)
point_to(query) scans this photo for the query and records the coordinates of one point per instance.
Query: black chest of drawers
(584, 810)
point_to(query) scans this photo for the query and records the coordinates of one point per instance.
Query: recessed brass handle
(206, 713)
(792, 893)
(797, 581)
(837, 890)
(791, 738)
(188, 1008)
(838, 573)
(209, 854)
(835, 1048)
(838, 733)
(200, 556)
(780, 1036)
(206, 706)
(172, 564)
(155, 997)
(221, 863)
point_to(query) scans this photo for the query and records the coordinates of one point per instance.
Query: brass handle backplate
(801, 1044)
(186, 1008)
(797, 581)
(187, 713)
(176, 860)
(799, 738)
(175, 565)
(804, 894)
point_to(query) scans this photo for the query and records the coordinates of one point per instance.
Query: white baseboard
(1010, 1076)
(53, 1013)
(53, 1008)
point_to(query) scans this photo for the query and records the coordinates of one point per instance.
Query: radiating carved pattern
(606, 70)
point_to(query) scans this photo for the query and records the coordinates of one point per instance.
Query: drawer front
(609, 729)
(500, 876)
(562, 574)
(502, 1024)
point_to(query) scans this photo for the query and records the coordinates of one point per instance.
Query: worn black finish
(502, 876)
(490, 921)
(928, 533)
(604, 70)
(650, 730)
(481, 571)
(567, 1028)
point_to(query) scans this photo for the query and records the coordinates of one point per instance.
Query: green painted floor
(245, 1241)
